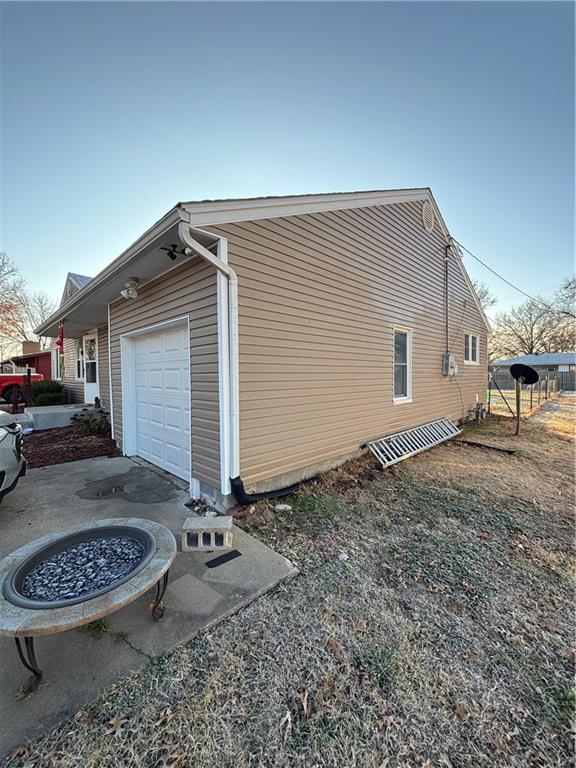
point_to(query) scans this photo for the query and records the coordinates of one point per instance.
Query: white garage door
(162, 363)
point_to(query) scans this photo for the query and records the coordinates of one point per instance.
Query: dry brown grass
(431, 627)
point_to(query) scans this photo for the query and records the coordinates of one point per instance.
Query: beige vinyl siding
(319, 295)
(103, 371)
(188, 290)
(73, 389)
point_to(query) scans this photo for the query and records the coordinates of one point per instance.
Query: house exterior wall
(103, 370)
(73, 389)
(187, 290)
(319, 295)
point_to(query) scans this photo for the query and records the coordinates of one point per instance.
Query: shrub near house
(47, 393)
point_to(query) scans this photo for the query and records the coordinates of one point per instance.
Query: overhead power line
(528, 296)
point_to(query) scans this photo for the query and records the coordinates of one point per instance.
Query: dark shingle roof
(80, 280)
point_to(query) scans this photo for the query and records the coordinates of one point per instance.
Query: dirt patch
(56, 446)
(431, 626)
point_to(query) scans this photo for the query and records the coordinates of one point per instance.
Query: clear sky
(113, 112)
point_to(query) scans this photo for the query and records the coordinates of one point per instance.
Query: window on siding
(79, 360)
(402, 364)
(470, 348)
(56, 365)
(90, 361)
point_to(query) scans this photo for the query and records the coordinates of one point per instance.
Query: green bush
(48, 398)
(47, 393)
(91, 422)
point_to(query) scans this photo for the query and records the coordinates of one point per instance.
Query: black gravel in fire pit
(83, 568)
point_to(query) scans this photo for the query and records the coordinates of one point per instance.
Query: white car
(12, 462)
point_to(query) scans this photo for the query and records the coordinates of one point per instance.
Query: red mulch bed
(55, 446)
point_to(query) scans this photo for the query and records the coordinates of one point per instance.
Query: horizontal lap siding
(73, 389)
(188, 290)
(319, 295)
(103, 370)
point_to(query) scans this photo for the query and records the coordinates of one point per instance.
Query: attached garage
(257, 345)
(164, 375)
(156, 395)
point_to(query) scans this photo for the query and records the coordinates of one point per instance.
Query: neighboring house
(557, 362)
(39, 361)
(267, 339)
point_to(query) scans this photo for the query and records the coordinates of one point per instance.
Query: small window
(79, 360)
(90, 361)
(470, 348)
(56, 364)
(402, 365)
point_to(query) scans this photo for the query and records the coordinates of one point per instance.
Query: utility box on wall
(448, 364)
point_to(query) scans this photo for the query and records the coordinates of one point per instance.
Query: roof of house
(80, 280)
(95, 294)
(308, 194)
(547, 358)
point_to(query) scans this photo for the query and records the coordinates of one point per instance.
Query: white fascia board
(459, 260)
(229, 211)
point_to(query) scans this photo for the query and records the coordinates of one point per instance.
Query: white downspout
(220, 262)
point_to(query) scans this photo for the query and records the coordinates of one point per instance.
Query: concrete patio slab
(204, 588)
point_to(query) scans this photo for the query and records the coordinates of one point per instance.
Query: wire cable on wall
(455, 380)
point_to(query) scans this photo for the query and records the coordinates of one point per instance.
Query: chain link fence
(502, 391)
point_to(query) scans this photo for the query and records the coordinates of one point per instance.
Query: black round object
(13, 584)
(525, 372)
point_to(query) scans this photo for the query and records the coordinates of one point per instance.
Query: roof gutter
(229, 379)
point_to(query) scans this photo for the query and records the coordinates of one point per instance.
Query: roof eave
(174, 216)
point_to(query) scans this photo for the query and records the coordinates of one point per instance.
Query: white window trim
(409, 332)
(56, 365)
(469, 350)
(78, 355)
(91, 335)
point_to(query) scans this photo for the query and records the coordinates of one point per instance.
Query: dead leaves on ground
(115, 725)
(164, 716)
(461, 711)
(335, 649)
(22, 752)
(171, 757)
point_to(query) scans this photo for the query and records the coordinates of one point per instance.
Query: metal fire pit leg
(28, 659)
(157, 606)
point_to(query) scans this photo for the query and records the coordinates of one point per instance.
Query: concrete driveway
(78, 666)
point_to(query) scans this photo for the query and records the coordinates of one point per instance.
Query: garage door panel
(155, 415)
(156, 447)
(163, 400)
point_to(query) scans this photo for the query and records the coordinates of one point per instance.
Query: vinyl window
(471, 348)
(56, 365)
(79, 360)
(402, 364)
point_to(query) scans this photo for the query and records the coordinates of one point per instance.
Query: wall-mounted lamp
(131, 289)
(173, 251)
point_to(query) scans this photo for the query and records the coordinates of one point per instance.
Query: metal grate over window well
(394, 448)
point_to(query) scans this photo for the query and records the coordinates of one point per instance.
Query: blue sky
(112, 112)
